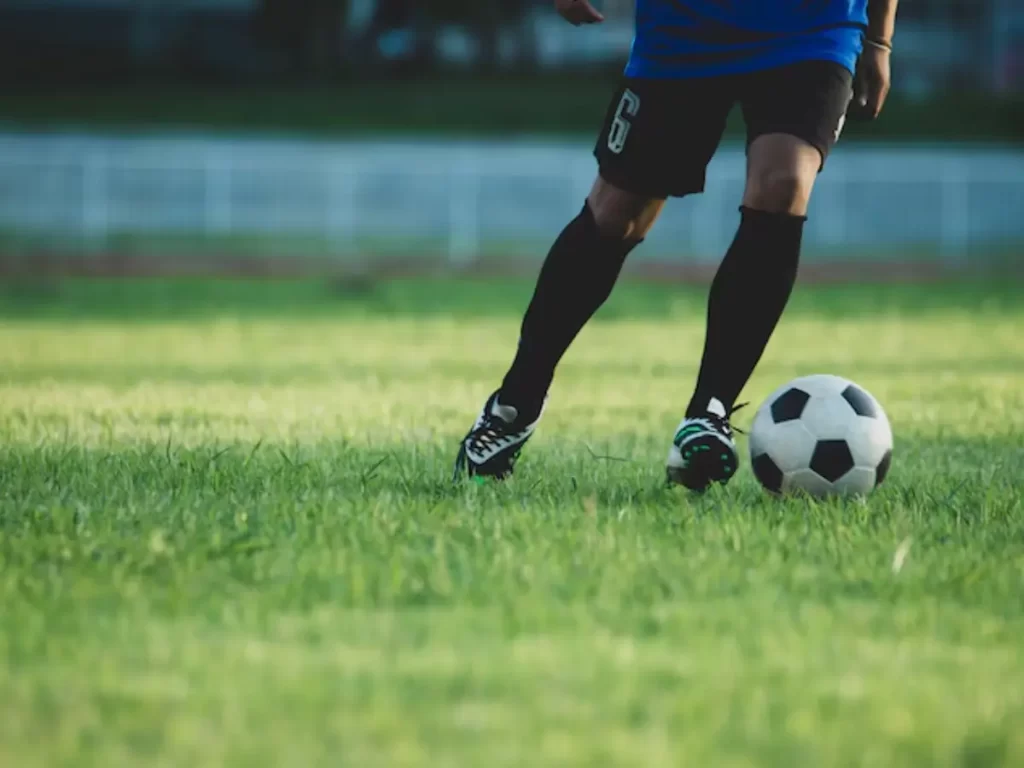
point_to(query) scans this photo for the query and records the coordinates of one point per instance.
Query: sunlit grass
(227, 537)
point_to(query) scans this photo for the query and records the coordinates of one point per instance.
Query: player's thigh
(657, 139)
(794, 117)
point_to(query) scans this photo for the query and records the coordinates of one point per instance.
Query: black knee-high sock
(576, 279)
(748, 296)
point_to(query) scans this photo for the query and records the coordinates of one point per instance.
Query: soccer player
(797, 68)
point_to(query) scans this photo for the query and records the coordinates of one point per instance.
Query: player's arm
(881, 21)
(578, 12)
(874, 75)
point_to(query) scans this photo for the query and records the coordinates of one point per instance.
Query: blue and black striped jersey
(704, 38)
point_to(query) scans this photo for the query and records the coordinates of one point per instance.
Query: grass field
(227, 538)
(499, 106)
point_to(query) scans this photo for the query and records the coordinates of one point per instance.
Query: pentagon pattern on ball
(860, 401)
(768, 473)
(832, 459)
(789, 406)
(883, 468)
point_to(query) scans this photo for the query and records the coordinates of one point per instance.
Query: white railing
(468, 199)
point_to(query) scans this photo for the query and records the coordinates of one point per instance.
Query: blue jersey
(705, 38)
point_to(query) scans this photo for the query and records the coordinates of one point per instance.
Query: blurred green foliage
(569, 105)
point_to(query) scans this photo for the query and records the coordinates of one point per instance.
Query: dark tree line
(306, 32)
(309, 33)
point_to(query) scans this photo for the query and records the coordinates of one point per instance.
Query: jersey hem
(648, 71)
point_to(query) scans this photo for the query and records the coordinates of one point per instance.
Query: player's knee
(778, 190)
(612, 223)
(781, 171)
(622, 215)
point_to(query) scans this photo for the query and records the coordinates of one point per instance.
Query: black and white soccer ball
(823, 435)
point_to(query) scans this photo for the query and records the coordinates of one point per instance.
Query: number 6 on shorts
(629, 105)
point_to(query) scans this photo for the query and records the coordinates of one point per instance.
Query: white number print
(839, 129)
(629, 105)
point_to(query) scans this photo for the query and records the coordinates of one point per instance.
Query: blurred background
(395, 137)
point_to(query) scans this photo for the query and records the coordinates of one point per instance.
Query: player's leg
(759, 270)
(577, 277)
(794, 116)
(582, 267)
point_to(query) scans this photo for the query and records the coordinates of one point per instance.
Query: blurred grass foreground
(228, 537)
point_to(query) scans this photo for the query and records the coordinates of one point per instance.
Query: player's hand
(578, 12)
(871, 85)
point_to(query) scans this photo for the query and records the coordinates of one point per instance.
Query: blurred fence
(457, 203)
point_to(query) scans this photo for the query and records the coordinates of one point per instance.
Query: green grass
(199, 253)
(227, 538)
(562, 105)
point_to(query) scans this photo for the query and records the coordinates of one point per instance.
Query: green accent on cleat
(687, 430)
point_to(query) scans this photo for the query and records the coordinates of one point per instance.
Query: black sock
(576, 279)
(747, 298)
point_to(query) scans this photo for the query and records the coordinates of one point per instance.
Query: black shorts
(660, 135)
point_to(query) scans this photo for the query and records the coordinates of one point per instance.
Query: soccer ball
(823, 435)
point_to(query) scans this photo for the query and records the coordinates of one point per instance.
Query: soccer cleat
(494, 443)
(703, 450)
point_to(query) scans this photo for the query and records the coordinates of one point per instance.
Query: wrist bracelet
(883, 45)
